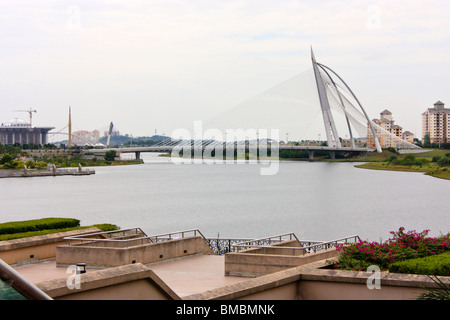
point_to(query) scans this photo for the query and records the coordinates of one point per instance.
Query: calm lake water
(315, 200)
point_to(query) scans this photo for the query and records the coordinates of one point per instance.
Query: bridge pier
(333, 154)
(311, 155)
(138, 155)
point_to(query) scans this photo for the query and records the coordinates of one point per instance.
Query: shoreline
(436, 173)
(65, 171)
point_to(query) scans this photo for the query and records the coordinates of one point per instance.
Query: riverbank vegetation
(435, 163)
(15, 157)
(38, 227)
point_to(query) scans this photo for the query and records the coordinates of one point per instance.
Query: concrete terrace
(185, 276)
(127, 264)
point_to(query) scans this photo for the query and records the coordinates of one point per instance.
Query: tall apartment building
(386, 140)
(436, 124)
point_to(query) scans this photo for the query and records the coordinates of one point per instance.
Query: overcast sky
(150, 64)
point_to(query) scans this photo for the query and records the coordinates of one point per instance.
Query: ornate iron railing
(307, 245)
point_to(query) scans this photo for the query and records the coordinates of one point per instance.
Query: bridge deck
(170, 148)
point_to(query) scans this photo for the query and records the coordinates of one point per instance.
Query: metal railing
(311, 246)
(127, 237)
(20, 283)
(119, 236)
(224, 245)
(176, 235)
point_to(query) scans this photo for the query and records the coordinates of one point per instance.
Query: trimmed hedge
(438, 265)
(103, 227)
(37, 225)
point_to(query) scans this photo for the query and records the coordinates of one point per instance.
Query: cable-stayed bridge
(316, 102)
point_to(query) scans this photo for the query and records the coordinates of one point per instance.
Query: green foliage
(30, 164)
(444, 162)
(10, 149)
(110, 155)
(443, 293)
(431, 265)
(6, 158)
(391, 149)
(402, 246)
(408, 160)
(107, 227)
(103, 227)
(293, 154)
(19, 235)
(38, 224)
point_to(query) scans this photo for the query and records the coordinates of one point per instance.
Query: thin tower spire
(70, 128)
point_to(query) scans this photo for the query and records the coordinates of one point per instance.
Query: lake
(315, 200)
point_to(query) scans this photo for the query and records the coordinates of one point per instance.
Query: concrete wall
(310, 282)
(130, 282)
(253, 264)
(145, 254)
(30, 249)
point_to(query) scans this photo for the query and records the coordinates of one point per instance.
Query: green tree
(110, 155)
(6, 158)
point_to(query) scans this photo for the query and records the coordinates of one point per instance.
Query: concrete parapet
(30, 249)
(130, 282)
(312, 282)
(111, 255)
(255, 262)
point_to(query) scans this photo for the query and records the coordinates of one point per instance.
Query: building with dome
(19, 131)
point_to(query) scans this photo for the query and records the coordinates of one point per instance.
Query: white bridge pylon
(330, 127)
(300, 108)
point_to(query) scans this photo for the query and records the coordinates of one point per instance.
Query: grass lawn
(378, 161)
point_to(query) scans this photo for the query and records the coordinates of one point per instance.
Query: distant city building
(408, 136)
(385, 137)
(436, 124)
(114, 133)
(82, 137)
(20, 131)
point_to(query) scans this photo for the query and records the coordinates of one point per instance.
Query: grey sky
(149, 65)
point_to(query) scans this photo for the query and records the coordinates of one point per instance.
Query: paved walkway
(195, 274)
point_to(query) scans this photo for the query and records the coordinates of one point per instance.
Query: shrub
(436, 158)
(107, 227)
(402, 246)
(443, 162)
(442, 293)
(36, 225)
(110, 155)
(6, 158)
(30, 164)
(433, 265)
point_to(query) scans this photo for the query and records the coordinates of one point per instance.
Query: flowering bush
(402, 246)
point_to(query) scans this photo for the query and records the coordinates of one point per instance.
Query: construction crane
(30, 112)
